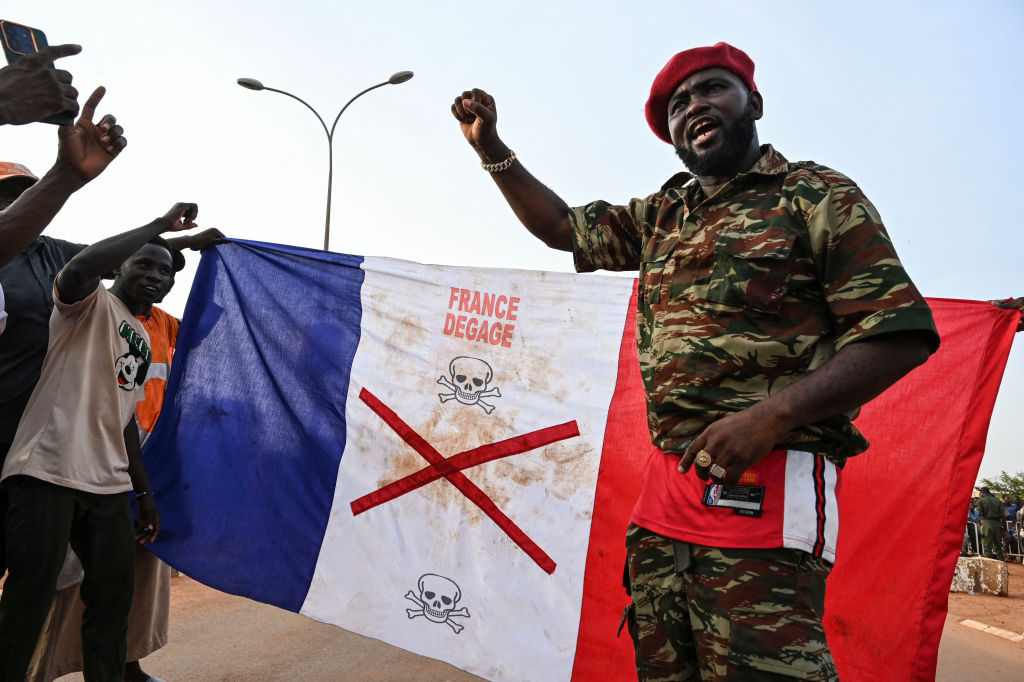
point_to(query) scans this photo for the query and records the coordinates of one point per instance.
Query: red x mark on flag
(451, 469)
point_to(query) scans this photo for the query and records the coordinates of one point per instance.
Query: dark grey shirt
(28, 292)
(992, 508)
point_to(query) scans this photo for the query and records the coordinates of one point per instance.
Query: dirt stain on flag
(558, 469)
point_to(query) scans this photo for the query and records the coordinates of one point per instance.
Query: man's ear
(757, 104)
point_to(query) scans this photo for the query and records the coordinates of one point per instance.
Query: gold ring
(703, 458)
(717, 471)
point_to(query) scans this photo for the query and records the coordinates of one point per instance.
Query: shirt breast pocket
(652, 275)
(752, 268)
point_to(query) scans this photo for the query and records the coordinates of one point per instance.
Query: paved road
(216, 637)
(966, 654)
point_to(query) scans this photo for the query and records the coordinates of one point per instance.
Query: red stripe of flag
(627, 444)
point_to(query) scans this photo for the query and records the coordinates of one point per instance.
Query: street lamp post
(395, 79)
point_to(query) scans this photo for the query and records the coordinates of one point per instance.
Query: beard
(723, 160)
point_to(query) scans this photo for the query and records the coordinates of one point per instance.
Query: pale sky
(916, 101)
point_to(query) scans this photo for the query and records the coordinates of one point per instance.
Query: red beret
(722, 55)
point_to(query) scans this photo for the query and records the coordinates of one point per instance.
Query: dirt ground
(1002, 612)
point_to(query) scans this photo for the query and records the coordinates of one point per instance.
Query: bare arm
(27, 217)
(542, 211)
(149, 518)
(855, 375)
(82, 274)
(84, 151)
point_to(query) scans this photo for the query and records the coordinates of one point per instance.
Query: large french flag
(445, 458)
(410, 452)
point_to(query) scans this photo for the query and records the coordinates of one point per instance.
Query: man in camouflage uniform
(771, 305)
(993, 514)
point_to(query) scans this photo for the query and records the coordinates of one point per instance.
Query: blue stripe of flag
(256, 403)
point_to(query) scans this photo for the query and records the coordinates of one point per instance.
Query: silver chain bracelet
(501, 165)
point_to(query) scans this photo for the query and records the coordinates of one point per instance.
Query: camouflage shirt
(742, 294)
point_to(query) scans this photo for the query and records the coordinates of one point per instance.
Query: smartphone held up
(21, 41)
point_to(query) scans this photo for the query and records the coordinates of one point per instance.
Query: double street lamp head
(395, 79)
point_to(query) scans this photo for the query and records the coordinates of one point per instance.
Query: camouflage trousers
(992, 538)
(703, 613)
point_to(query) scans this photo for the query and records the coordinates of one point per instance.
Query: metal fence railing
(972, 539)
(1013, 543)
(1012, 540)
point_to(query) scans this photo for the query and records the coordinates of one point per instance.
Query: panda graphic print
(131, 367)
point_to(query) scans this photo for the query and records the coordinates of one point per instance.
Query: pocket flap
(773, 242)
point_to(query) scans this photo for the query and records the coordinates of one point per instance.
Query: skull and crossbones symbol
(437, 599)
(469, 382)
